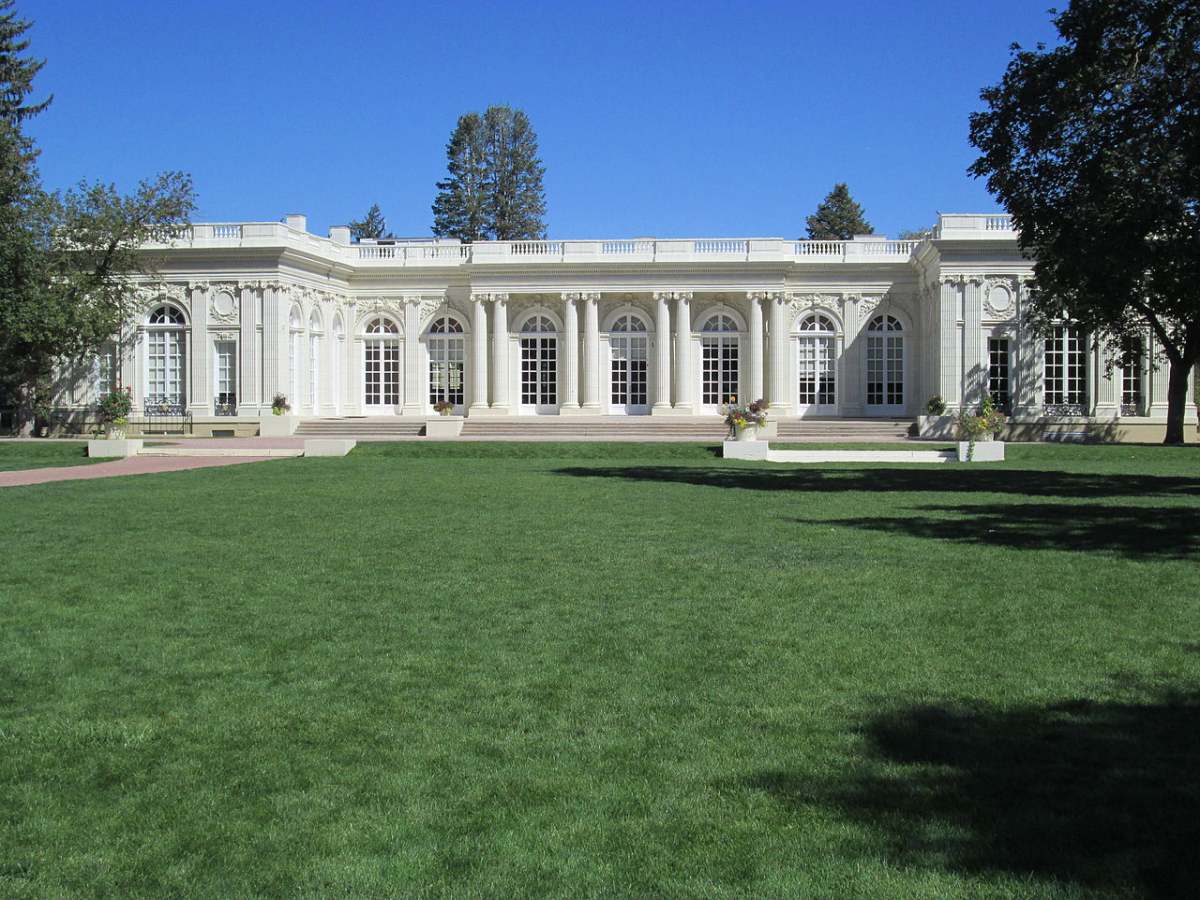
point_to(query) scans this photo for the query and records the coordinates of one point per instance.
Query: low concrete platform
(328, 446)
(761, 450)
(107, 448)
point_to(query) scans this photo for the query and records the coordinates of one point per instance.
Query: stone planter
(277, 426)
(769, 430)
(985, 451)
(115, 433)
(107, 448)
(443, 427)
(937, 427)
(749, 433)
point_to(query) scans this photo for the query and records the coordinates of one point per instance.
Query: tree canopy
(493, 188)
(372, 225)
(838, 217)
(1093, 146)
(70, 261)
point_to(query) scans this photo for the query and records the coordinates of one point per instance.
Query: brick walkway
(134, 465)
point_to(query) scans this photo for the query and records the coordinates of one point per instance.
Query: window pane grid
(1065, 372)
(719, 369)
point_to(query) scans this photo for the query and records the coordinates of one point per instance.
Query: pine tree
(494, 184)
(838, 218)
(460, 208)
(372, 225)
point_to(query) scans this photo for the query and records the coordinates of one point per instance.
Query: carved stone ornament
(224, 335)
(150, 295)
(804, 302)
(224, 308)
(999, 296)
(685, 296)
(867, 304)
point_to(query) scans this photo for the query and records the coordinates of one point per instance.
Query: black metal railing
(163, 415)
(225, 404)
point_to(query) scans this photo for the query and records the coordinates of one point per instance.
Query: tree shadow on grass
(939, 479)
(1137, 532)
(1106, 795)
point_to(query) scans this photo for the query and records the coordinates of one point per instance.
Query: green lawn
(40, 454)
(585, 670)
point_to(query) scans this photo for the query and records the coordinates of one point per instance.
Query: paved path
(134, 465)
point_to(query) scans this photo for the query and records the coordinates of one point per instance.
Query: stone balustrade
(384, 254)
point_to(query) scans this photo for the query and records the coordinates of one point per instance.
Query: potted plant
(981, 426)
(113, 412)
(744, 421)
(443, 407)
(280, 405)
(936, 406)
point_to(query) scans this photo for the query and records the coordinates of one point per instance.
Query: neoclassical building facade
(240, 313)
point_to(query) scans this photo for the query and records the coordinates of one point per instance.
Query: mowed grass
(605, 670)
(32, 454)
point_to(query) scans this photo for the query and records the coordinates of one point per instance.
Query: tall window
(719, 361)
(998, 369)
(885, 362)
(165, 362)
(447, 354)
(1132, 381)
(105, 371)
(1065, 360)
(629, 347)
(295, 333)
(817, 372)
(381, 364)
(314, 360)
(539, 362)
(225, 378)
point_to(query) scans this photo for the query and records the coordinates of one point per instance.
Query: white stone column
(1106, 398)
(662, 353)
(479, 358)
(950, 370)
(850, 396)
(683, 353)
(570, 355)
(501, 376)
(974, 370)
(755, 362)
(591, 353)
(415, 388)
(199, 390)
(1027, 366)
(779, 393)
(248, 379)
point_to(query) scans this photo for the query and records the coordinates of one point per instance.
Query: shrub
(113, 408)
(280, 405)
(936, 406)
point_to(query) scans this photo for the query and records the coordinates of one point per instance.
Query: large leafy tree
(372, 225)
(70, 262)
(493, 189)
(1094, 147)
(838, 217)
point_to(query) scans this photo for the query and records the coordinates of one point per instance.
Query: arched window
(447, 361)
(719, 361)
(539, 364)
(885, 362)
(629, 351)
(381, 366)
(816, 364)
(165, 362)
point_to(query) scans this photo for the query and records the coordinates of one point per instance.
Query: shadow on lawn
(937, 479)
(1105, 795)
(1138, 532)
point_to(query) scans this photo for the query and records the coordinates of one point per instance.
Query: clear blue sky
(654, 118)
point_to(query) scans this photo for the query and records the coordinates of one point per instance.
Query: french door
(885, 367)
(165, 371)
(629, 354)
(539, 374)
(381, 376)
(719, 372)
(447, 357)
(817, 376)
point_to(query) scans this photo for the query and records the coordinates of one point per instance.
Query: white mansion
(647, 326)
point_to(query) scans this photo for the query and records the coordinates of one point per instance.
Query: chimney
(340, 234)
(299, 221)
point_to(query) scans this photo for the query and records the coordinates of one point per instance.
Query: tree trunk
(1177, 399)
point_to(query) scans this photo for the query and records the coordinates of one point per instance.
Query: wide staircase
(842, 431)
(363, 428)
(607, 428)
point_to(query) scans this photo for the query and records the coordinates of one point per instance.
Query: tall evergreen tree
(838, 218)
(494, 186)
(372, 225)
(460, 209)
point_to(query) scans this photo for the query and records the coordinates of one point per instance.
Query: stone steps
(366, 427)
